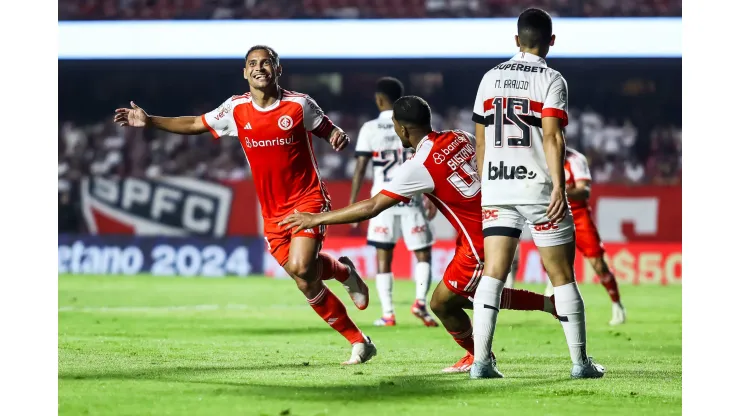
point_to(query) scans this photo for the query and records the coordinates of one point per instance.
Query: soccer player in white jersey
(520, 111)
(377, 141)
(443, 169)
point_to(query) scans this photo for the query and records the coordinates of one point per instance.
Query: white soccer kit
(516, 183)
(379, 141)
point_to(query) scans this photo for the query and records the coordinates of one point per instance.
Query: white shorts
(384, 230)
(508, 221)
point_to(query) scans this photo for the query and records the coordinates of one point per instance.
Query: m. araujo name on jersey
(379, 141)
(511, 101)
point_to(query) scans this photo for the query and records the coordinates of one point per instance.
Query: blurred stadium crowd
(616, 152)
(613, 147)
(351, 9)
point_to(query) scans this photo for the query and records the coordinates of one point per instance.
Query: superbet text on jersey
(277, 141)
(443, 168)
(511, 101)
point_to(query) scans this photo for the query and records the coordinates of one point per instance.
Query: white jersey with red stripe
(443, 168)
(511, 101)
(379, 141)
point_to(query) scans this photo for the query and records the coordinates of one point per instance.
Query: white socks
(384, 282)
(423, 277)
(572, 315)
(486, 305)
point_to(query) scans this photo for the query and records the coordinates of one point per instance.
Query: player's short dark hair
(390, 87)
(273, 55)
(534, 28)
(412, 110)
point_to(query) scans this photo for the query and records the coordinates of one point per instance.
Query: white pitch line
(172, 308)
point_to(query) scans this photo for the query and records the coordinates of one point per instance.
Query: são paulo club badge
(285, 122)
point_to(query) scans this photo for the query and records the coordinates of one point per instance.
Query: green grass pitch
(176, 346)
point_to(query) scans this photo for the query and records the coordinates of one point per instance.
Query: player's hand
(430, 208)
(131, 117)
(338, 139)
(558, 206)
(299, 221)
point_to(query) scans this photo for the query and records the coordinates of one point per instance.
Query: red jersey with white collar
(277, 142)
(443, 168)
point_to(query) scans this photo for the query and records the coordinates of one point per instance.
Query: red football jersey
(277, 141)
(444, 169)
(576, 169)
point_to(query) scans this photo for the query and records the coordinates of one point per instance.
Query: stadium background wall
(190, 227)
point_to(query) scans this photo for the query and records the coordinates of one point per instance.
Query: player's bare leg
(448, 306)
(308, 269)
(511, 278)
(384, 284)
(498, 252)
(558, 261)
(619, 314)
(423, 278)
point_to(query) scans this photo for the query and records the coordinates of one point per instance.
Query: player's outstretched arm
(360, 211)
(553, 142)
(137, 117)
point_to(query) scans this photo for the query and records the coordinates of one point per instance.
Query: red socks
(610, 284)
(522, 300)
(464, 339)
(332, 310)
(330, 268)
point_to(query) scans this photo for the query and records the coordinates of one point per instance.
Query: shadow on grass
(360, 383)
(363, 385)
(247, 331)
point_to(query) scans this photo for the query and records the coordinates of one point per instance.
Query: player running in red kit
(588, 241)
(443, 169)
(275, 128)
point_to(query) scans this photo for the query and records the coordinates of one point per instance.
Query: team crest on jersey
(285, 122)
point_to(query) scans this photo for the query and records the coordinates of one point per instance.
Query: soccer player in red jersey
(588, 240)
(275, 128)
(443, 168)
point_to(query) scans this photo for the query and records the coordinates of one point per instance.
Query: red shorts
(588, 240)
(278, 238)
(463, 274)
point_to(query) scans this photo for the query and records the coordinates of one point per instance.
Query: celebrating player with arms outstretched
(588, 240)
(274, 127)
(520, 111)
(378, 141)
(442, 168)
